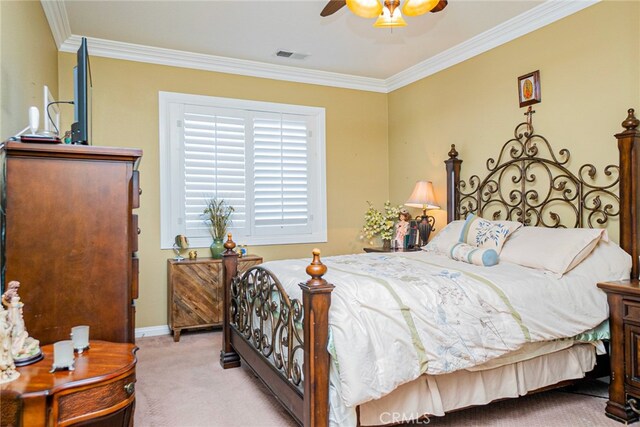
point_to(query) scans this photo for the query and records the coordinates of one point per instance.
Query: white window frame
(172, 183)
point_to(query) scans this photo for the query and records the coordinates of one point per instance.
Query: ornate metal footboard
(281, 339)
(264, 315)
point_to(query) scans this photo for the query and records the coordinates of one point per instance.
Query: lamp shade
(418, 7)
(423, 196)
(365, 8)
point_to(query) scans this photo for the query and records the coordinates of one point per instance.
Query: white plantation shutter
(264, 159)
(280, 167)
(214, 165)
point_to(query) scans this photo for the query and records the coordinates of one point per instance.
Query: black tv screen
(80, 132)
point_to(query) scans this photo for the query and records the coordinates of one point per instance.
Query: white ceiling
(254, 30)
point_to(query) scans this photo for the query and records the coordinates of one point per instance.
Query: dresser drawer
(91, 402)
(631, 311)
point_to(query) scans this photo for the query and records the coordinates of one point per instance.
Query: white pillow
(557, 250)
(447, 237)
(607, 262)
(482, 233)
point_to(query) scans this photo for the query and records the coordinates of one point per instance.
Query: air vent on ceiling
(292, 55)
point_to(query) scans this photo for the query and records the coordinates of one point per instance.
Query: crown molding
(56, 14)
(538, 17)
(198, 61)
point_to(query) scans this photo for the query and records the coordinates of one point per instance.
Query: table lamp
(424, 197)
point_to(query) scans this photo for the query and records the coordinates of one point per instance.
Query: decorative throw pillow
(441, 242)
(487, 234)
(473, 255)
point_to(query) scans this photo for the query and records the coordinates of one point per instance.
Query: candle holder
(63, 356)
(80, 338)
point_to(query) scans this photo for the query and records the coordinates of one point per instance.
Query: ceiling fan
(387, 11)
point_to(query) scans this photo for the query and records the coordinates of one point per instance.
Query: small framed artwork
(529, 89)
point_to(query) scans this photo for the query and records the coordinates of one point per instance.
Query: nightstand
(624, 319)
(381, 249)
(195, 292)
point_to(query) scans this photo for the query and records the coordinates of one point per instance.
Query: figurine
(22, 345)
(8, 370)
(402, 228)
(193, 254)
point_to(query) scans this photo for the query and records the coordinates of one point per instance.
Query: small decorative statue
(181, 243)
(7, 366)
(402, 228)
(23, 346)
(193, 254)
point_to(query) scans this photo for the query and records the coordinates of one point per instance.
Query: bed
(417, 334)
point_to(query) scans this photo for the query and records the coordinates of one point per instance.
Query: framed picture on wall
(529, 89)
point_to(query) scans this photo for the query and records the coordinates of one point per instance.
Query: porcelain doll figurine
(8, 370)
(402, 228)
(22, 345)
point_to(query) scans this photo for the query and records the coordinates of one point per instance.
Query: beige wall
(125, 113)
(28, 61)
(590, 74)
(378, 145)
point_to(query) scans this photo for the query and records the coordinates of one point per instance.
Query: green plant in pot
(218, 218)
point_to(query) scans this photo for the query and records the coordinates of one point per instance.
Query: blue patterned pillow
(483, 233)
(473, 255)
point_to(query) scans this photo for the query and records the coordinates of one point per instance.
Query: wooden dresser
(624, 322)
(71, 238)
(99, 392)
(195, 292)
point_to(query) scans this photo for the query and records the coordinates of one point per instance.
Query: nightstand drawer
(632, 363)
(95, 401)
(631, 310)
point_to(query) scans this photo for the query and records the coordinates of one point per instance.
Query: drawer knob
(139, 191)
(139, 231)
(130, 388)
(633, 405)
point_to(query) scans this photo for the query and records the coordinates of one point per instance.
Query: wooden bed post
(453, 180)
(228, 356)
(316, 299)
(629, 147)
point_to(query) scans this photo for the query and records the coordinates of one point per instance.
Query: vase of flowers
(218, 218)
(380, 223)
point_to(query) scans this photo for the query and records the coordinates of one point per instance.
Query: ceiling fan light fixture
(418, 7)
(390, 19)
(365, 8)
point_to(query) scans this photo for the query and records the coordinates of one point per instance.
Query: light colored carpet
(182, 385)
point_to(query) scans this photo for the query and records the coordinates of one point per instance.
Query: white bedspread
(395, 316)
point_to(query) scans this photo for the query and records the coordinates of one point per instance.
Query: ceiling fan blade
(441, 5)
(333, 6)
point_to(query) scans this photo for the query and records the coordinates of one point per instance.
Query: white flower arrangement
(377, 223)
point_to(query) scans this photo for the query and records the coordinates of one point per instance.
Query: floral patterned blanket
(396, 316)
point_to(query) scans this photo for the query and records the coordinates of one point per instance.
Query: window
(266, 160)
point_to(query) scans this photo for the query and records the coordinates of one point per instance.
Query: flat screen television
(81, 128)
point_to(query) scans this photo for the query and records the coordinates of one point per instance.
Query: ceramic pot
(217, 248)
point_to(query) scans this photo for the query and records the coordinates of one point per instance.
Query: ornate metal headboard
(530, 183)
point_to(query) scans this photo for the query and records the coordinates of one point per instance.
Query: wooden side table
(195, 292)
(100, 391)
(381, 249)
(624, 321)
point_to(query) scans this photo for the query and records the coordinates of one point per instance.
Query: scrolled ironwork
(263, 313)
(529, 182)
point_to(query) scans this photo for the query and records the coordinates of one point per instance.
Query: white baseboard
(153, 331)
